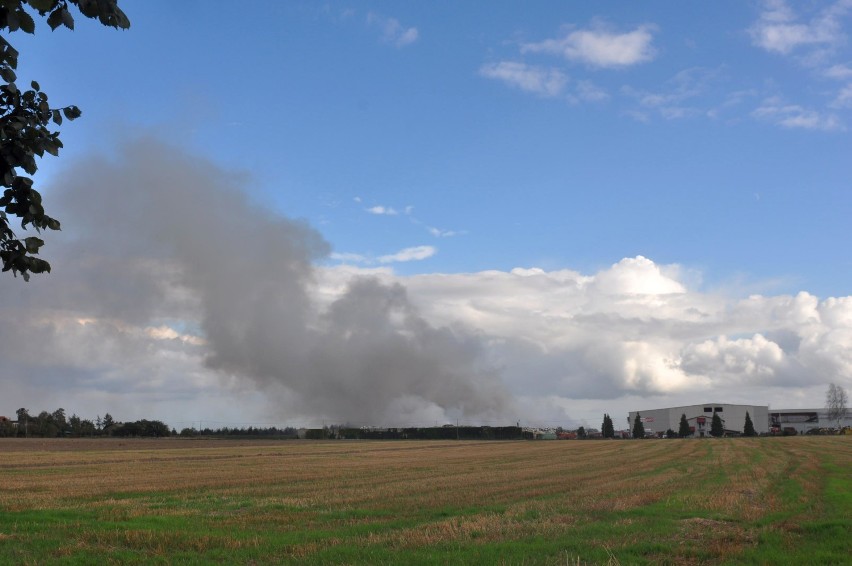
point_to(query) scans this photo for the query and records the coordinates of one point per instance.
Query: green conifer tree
(607, 428)
(683, 430)
(716, 427)
(748, 429)
(638, 427)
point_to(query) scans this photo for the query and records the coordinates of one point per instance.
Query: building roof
(708, 404)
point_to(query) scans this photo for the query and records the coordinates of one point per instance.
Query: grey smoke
(156, 234)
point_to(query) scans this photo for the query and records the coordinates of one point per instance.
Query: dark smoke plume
(160, 235)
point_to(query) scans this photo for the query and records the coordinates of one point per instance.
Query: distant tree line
(57, 424)
(448, 432)
(243, 432)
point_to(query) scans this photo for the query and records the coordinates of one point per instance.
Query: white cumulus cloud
(839, 72)
(600, 46)
(679, 97)
(775, 110)
(538, 80)
(843, 98)
(393, 32)
(637, 329)
(756, 358)
(438, 233)
(409, 254)
(414, 253)
(780, 30)
(588, 91)
(382, 210)
(349, 257)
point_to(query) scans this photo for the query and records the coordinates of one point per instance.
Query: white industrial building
(803, 421)
(700, 417)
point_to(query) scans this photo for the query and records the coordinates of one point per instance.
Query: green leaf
(26, 21)
(37, 265)
(24, 183)
(8, 74)
(71, 112)
(122, 20)
(57, 117)
(35, 85)
(54, 20)
(33, 244)
(50, 148)
(29, 164)
(12, 21)
(8, 54)
(89, 8)
(67, 19)
(42, 6)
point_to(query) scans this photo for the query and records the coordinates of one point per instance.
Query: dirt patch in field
(701, 522)
(724, 538)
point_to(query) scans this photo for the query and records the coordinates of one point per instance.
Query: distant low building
(804, 421)
(700, 418)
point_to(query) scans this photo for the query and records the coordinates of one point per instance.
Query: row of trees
(55, 424)
(607, 429)
(243, 432)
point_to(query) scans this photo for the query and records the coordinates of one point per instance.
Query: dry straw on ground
(295, 500)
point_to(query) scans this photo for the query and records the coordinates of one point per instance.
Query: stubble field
(761, 501)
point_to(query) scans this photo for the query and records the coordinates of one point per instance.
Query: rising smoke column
(164, 235)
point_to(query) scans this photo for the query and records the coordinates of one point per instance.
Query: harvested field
(767, 500)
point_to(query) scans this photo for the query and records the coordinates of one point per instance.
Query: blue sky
(422, 139)
(679, 153)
